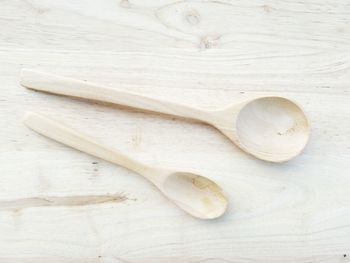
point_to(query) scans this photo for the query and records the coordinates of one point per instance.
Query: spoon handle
(84, 143)
(82, 89)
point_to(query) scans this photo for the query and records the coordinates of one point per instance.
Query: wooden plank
(206, 54)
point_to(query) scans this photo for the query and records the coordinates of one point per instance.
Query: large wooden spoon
(270, 128)
(197, 195)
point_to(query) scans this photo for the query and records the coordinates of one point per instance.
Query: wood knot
(267, 8)
(209, 41)
(42, 11)
(125, 3)
(192, 17)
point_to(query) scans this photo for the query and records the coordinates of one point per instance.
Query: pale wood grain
(201, 53)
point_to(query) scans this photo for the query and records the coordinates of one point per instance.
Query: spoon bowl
(197, 195)
(270, 128)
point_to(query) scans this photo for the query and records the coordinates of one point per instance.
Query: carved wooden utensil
(270, 128)
(195, 194)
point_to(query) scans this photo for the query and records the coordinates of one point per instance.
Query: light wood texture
(195, 194)
(270, 128)
(81, 89)
(202, 53)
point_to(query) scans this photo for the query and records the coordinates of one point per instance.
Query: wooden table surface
(61, 205)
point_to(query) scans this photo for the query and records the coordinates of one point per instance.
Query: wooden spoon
(197, 195)
(270, 128)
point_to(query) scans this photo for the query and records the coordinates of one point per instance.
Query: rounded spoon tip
(274, 129)
(197, 195)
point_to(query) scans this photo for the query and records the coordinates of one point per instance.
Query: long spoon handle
(84, 143)
(82, 89)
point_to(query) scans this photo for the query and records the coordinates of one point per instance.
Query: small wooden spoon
(197, 195)
(270, 128)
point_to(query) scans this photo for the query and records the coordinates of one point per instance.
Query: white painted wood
(202, 53)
